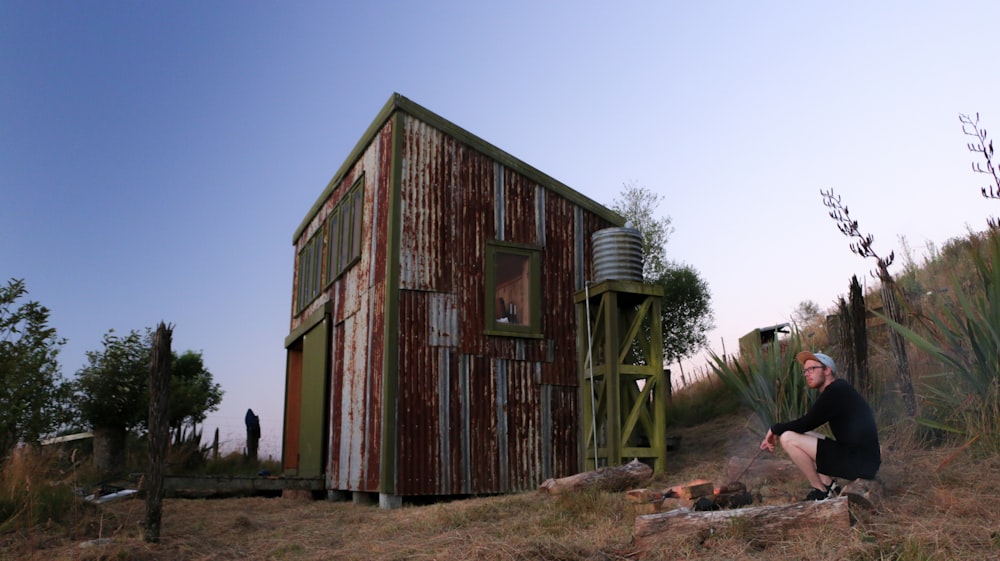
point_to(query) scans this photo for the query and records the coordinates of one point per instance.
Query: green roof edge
(398, 102)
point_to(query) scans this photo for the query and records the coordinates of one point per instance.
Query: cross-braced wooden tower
(622, 381)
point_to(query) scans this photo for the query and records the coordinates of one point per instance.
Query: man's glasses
(810, 369)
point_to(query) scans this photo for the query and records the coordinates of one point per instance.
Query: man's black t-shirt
(851, 422)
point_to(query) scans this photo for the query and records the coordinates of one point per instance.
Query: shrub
(769, 382)
(965, 339)
(34, 490)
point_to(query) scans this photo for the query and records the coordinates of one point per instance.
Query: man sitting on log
(852, 453)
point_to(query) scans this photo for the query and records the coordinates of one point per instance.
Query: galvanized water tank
(617, 254)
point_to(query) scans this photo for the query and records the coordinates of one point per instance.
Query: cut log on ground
(692, 490)
(611, 478)
(866, 493)
(761, 524)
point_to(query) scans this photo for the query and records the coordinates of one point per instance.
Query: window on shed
(344, 232)
(513, 290)
(310, 270)
(333, 245)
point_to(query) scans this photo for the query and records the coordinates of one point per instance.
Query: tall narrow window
(513, 289)
(344, 231)
(310, 271)
(333, 245)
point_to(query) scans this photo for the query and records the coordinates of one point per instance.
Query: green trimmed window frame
(310, 279)
(513, 290)
(344, 231)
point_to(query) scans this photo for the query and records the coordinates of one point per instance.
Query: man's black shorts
(847, 462)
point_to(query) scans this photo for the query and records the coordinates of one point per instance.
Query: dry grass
(929, 515)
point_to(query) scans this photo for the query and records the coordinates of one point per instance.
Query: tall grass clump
(700, 402)
(34, 491)
(769, 381)
(965, 339)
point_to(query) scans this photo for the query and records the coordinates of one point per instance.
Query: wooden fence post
(159, 429)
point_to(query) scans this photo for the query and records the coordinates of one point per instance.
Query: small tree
(686, 306)
(193, 394)
(686, 312)
(111, 393)
(805, 313)
(32, 390)
(637, 205)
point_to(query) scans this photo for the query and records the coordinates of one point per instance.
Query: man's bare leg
(801, 448)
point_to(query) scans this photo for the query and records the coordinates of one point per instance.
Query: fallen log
(610, 478)
(759, 524)
(866, 493)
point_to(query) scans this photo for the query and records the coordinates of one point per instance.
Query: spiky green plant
(769, 381)
(965, 340)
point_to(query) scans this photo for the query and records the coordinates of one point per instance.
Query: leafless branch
(982, 145)
(863, 247)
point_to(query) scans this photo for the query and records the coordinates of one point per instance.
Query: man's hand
(769, 441)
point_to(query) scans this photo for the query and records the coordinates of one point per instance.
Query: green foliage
(637, 205)
(686, 312)
(193, 394)
(32, 390)
(112, 389)
(686, 305)
(965, 339)
(769, 382)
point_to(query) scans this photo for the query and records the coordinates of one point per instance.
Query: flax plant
(965, 339)
(769, 381)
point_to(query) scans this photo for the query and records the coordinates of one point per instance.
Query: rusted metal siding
(356, 302)
(472, 413)
(480, 413)
(357, 344)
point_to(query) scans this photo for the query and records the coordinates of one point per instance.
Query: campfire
(699, 495)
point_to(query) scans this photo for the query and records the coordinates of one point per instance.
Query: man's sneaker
(832, 490)
(817, 495)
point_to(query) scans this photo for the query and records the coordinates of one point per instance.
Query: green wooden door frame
(313, 420)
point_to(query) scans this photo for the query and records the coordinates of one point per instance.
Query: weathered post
(159, 429)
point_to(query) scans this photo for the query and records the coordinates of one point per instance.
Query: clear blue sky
(157, 157)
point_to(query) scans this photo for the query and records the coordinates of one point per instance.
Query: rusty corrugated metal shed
(422, 399)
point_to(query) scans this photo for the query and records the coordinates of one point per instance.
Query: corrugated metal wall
(476, 413)
(480, 413)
